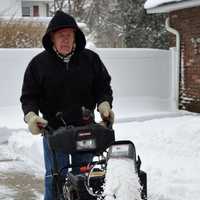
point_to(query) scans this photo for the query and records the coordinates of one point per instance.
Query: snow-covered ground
(168, 144)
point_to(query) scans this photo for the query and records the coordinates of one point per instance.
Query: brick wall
(187, 22)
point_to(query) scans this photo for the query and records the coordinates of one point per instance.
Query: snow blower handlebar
(87, 118)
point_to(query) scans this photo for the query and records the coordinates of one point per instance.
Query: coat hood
(59, 21)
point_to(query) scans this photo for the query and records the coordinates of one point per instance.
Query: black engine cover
(65, 138)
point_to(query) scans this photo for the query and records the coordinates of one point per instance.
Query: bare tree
(58, 5)
(104, 21)
(73, 7)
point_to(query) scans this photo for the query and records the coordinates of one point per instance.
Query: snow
(154, 3)
(24, 150)
(120, 178)
(169, 148)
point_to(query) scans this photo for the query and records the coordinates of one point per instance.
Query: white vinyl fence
(137, 74)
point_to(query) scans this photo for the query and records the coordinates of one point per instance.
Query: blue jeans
(62, 161)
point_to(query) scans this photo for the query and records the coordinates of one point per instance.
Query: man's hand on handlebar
(36, 124)
(107, 115)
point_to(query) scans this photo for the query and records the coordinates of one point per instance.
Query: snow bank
(24, 146)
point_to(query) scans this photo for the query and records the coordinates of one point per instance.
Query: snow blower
(91, 182)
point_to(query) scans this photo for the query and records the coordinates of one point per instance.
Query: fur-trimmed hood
(59, 21)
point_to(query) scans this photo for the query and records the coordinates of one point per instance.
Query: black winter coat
(50, 85)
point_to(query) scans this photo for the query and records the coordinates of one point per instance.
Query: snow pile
(28, 148)
(122, 182)
(154, 3)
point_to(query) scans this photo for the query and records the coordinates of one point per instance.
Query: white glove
(106, 113)
(35, 123)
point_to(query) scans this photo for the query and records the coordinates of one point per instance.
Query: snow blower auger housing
(98, 140)
(126, 149)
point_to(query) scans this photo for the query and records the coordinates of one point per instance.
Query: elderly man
(63, 78)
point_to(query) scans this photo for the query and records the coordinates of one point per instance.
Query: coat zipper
(67, 62)
(67, 66)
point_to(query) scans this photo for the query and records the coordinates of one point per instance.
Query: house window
(26, 11)
(35, 11)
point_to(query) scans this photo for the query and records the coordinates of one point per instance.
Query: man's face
(63, 40)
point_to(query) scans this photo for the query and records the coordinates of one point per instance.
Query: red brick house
(184, 18)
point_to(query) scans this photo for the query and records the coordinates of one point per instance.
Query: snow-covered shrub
(21, 32)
